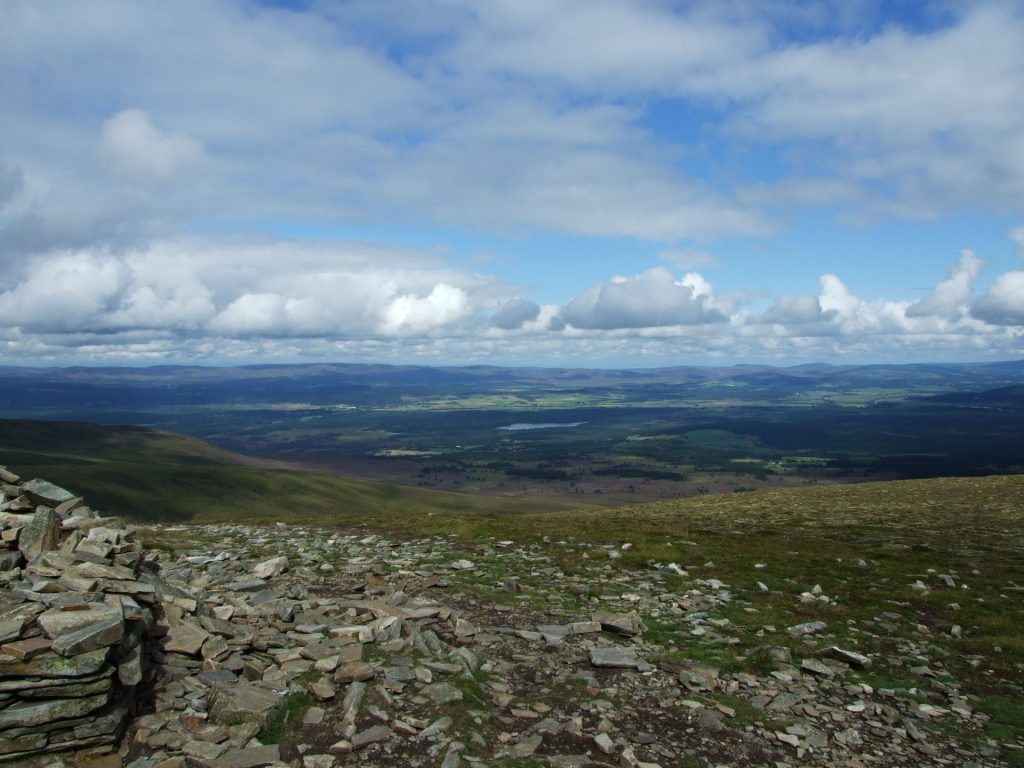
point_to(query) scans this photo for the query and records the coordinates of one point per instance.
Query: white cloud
(650, 300)
(409, 313)
(514, 313)
(271, 289)
(135, 147)
(1003, 302)
(795, 310)
(950, 297)
(68, 292)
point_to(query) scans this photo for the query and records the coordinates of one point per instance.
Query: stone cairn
(77, 608)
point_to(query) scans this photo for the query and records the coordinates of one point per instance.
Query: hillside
(152, 475)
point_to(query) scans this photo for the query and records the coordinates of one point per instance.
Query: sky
(613, 183)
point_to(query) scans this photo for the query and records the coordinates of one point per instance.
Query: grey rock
(275, 566)
(50, 665)
(858, 660)
(355, 670)
(698, 677)
(213, 677)
(527, 746)
(604, 742)
(231, 704)
(442, 693)
(185, 637)
(371, 735)
(248, 585)
(615, 657)
(628, 624)
(29, 714)
(43, 492)
(809, 628)
(41, 535)
(102, 634)
(56, 623)
(250, 757)
(709, 720)
(815, 667)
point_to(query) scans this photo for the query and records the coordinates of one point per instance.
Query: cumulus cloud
(795, 310)
(1003, 302)
(652, 299)
(409, 313)
(270, 289)
(950, 297)
(136, 148)
(68, 292)
(514, 313)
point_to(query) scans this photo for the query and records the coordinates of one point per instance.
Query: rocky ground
(319, 647)
(242, 646)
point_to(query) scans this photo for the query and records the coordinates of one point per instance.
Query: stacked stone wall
(76, 617)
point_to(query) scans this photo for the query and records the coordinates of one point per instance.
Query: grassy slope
(160, 476)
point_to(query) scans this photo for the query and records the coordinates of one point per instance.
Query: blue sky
(553, 182)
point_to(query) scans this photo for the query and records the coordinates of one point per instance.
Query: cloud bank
(286, 300)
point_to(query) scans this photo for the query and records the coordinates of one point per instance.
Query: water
(539, 425)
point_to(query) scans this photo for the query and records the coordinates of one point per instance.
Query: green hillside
(155, 476)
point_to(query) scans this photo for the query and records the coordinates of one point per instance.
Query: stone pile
(76, 613)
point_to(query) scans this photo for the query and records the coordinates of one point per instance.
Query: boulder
(275, 566)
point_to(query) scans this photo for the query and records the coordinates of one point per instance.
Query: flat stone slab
(616, 657)
(247, 585)
(251, 757)
(186, 637)
(29, 714)
(810, 628)
(628, 624)
(244, 702)
(51, 665)
(44, 492)
(57, 622)
(25, 650)
(852, 658)
(101, 634)
(371, 735)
